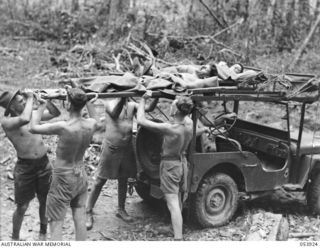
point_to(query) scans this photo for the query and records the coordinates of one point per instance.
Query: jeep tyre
(313, 194)
(143, 190)
(216, 200)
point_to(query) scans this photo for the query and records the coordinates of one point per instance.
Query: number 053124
(308, 243)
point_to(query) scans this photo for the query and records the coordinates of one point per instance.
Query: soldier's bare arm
(148, 107)
(114, 110)
(47, 128)
(93, 114)
(164, 128)
(51, 112)
(11, 123)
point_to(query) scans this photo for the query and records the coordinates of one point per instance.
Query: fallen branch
(106, 237)
(302, 235)
(4, 160)
(212, 14)
(220, 44)
(34, 25)
(143, 54)
(240, 21)
(166, 63)
(148, 49)
(129, 56)
(305, 43)
(77, 48)
(117, 61)
(88, 66)
(267, 226)
(138, 50)
(193, 38)
(230, 51)
(7, 49)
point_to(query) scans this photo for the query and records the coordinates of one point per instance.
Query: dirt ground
(30, 67)
(149, 220)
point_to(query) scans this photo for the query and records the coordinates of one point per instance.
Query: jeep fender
(315, 167)
(230, 163)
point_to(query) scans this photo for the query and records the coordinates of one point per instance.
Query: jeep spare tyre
(143, 190)
(215, 201)
(148, 145)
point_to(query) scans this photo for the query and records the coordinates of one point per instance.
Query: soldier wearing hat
(32, 170)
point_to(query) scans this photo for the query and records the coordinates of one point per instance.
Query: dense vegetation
(261, 33)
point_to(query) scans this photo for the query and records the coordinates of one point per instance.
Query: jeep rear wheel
(216, 200)
(313, 194)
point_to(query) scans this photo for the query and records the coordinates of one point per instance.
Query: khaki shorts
(116, 162)
(171, 174)
(68, 188)
(31, 176)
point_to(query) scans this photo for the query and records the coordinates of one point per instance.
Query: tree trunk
(270, 10)
(305, 43)
(296, 12)
(312, 7)
(117, 15)
(74, 5)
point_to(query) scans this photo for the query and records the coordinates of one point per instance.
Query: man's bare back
(177, 143)
(69, 181)
(73, 141)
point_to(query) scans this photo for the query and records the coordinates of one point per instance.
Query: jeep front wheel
(216, 200)
(313, 194)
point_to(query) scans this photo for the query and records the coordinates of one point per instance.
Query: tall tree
(75, 5)
(117, 15)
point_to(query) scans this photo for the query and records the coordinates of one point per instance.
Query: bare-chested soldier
(69, 182)
(33, 170)
(117, 158)
(173, 168)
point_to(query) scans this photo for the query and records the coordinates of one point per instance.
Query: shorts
(68, 188)
(31, 176)
(171, 175)
(117, 162)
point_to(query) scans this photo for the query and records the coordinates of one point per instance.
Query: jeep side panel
(256, 178)
(302, 167)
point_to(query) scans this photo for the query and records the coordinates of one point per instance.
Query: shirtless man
(173, 168)
(117, 159)
(33, 170)
(69, 181)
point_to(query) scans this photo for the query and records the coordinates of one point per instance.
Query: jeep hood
(309, 144)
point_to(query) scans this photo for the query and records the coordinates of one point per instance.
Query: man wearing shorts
(173, 167)
(33, 170)
(69, 181)
(117, 159)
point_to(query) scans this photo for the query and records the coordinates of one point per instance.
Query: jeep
(249, 159)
